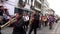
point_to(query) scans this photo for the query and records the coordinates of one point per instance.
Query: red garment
(16, 23)
(32, 19)
(42, 17)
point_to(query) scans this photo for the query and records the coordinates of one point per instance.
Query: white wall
(10, 4)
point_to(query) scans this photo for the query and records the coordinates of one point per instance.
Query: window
(38, 5)
(3, 0)
(40, 0)
(20, 1)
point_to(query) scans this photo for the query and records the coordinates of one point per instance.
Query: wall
(10, 4)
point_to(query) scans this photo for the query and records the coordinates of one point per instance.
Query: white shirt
(6, 17)
(26, 18)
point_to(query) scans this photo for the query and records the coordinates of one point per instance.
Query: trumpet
(31, 20)
(11, 21)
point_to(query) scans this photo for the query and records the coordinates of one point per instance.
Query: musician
(3, 13)
(44, 20)
(56, 19)
(26, 20)
(0, 23)
(40, 22)
(18, 25)
(34, 23)
(6, 14)
(51, 21)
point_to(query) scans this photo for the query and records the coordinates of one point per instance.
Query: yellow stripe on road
(55, 28)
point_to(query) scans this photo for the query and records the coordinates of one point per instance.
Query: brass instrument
(30, 21)
(8, 23)
(44, 19)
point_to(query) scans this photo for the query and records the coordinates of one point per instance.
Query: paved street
(44, 30)
(28, 11)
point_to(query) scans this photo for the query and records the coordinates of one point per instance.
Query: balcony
(37, 9)
(36, 4)
(39, 1)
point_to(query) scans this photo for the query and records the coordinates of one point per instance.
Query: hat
(18, 10)
(5, 9)
(1, 7)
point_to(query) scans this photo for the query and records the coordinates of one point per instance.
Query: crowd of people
(25, 21)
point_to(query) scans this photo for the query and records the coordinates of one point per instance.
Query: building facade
(44, 7)
(51, 11)
(30, 5)
(39, 5)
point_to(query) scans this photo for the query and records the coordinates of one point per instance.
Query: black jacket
(35, 21)
(18, 27)
(1, 12)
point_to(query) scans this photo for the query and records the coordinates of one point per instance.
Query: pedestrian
(34, 24)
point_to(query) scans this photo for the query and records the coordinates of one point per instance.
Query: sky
(55, 5)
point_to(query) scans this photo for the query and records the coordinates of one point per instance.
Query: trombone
(8, 23)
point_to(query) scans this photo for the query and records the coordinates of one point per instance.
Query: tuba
(44, 19)
(11, 21)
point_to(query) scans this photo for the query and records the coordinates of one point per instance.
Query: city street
(43, 30)
(26, 12)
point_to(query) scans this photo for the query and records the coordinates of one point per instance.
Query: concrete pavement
(43, 30)
(57, 30)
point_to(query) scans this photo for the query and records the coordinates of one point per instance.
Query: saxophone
(11, 21)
